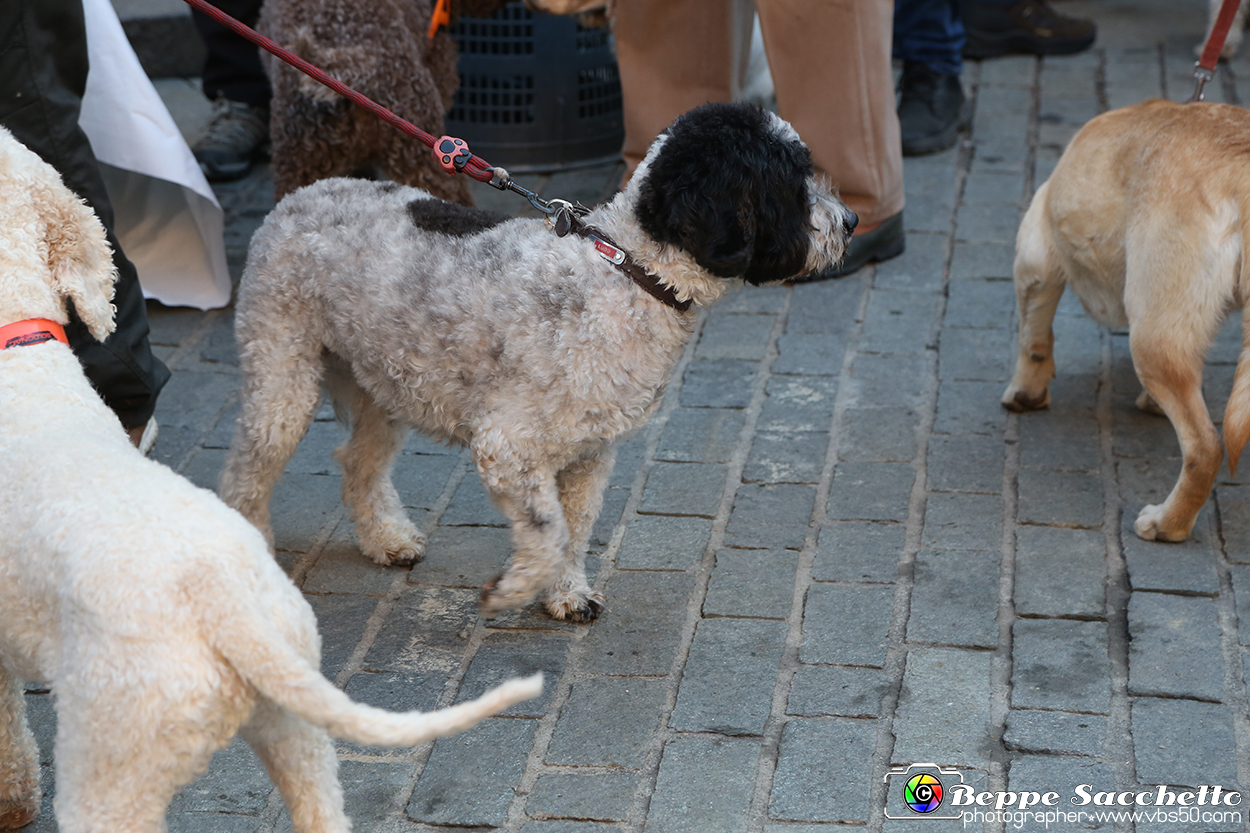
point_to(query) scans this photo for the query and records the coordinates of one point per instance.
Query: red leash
(1204, 70)
(453, 155)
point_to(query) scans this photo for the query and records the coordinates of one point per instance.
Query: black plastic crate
(537, 91)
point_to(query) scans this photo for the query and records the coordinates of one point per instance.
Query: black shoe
(882, 243)
(931, 110)
(237, 135)
(1028, 26)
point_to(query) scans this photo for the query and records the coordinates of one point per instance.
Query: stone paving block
(1234, 503)
(918, 267)
(786, 458)
(1139, 434)
(1012, 71)
(885, 381)
(958, 521)
(683, 489)
(867, 552)
(631, 454)
(981, 304)
(1061, 774)
(825, 306)
(462, 556)
(342, 568)
(930, 211)
(661, 542)
(341, 622)
(969, 408)
(614, 500)
(770, 516)
(752, 299)
(795, 404)
(821, 774)
(1188, 566)
(1164, 742)
(187, 410)
(878, 435)
(397, 691)
(603, 796)
(1174, 647)
(991, 188)
(1060, 664)
(720, 383)
(641, 629)
(700, 786)
(987, 222)
(965, 463)
(701, 435)
(980, 260)
(1072, 394)
(184, 823)
(836, 691)
(727, 685)
(302, 505)
(470, 777)
(846, 625)
(735, 337)
(1055, 733)
(370, 789)
(427, 631)
(1000, 153)
(954, 600)
(871, 491)
(976, 355)
(471, 506)
(755, 583)
(608, 721)
(899, 321)
(810, 354)
(1241, 592)
(935, 681)
(1059, 498)
(1060, 572)
(314, 454)
(1060, 441)
(236, 782)
(421, 479)
(503, 655)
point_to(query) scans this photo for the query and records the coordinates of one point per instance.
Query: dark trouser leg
(232, 68)
(43, 71)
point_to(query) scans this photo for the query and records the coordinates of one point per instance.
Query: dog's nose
(851, 221)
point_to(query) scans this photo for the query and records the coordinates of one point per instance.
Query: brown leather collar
(565, 221)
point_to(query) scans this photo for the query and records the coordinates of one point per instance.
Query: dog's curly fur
(529, 348)
(154, 610)
(382, 50)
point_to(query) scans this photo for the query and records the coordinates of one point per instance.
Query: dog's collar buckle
(30, 332)
(564, 221)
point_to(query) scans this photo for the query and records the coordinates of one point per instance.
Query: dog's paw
(500, 594)
(1152, 525)
(396, 551)
(1018, 399)
(581, 608)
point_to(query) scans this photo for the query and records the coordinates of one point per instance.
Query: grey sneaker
(237, 134)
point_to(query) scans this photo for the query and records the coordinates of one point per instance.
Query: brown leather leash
(1204, 69)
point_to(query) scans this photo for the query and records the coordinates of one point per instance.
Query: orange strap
(31, 331)
(442, 15)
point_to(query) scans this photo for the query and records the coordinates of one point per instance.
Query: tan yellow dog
(1145, 217)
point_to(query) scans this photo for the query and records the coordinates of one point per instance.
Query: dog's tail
(1237, 413)
(282, 674)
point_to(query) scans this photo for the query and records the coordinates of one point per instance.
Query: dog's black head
(730, 185)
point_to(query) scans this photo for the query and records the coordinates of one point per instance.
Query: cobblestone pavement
(830, 554)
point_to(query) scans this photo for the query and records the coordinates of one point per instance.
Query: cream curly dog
(531, 348)
(155, 611)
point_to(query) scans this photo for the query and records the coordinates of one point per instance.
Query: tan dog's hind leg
(386, 534)
(1172, 376)
(301, 761)
(19, 757)
(1039, 286)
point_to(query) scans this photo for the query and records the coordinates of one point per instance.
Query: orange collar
(31, 331)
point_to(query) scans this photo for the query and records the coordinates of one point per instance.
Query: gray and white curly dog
(531, 348)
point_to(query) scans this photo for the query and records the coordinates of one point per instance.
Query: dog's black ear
(731, 190)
